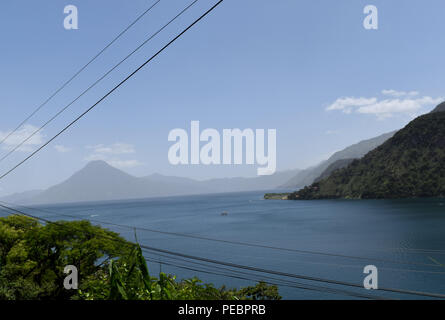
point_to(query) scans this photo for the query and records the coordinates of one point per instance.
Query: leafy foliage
(33, 257)
(410, 164)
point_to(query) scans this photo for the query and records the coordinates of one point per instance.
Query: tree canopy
(409, 165)
(33, 257)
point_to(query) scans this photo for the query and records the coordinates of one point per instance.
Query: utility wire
(79, 72)
(355, 266)
(293, 284)
(96, 82)
(112, 90)
(250, 268)
(233, 273)
(263, 277)
(278, 282)
(240, 243)
(190, 256)
(290, 275)
(415, 251)
(136, 228)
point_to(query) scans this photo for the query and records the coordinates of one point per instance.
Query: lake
(327, 240)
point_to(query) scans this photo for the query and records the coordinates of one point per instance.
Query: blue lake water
(404, 239)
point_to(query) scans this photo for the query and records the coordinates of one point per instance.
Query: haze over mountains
(439, 108)
(356, 151)
(98, 181)
(409, 165)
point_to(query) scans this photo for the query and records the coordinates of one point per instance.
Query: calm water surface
(404, 239)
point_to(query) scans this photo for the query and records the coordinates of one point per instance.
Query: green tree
(33, 257)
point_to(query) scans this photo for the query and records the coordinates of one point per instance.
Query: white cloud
(347, 104)
(116, 148)
(397, 94)
(19, 136)
(110, 153)
(94, 157)
(62, 149)
(410, 105)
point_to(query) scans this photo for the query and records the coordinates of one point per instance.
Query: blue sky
(307, 68)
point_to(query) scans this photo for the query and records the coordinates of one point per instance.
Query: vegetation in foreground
(33, 257)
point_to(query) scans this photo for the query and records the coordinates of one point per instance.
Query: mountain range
(308, 176)
(411, 164)
(98, 181)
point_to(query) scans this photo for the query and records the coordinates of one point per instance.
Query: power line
(250, 268)
(287, 283)
(200, 258)
(416, 251)
(274, 281)
(263, 277)
(200, 270)
(243, 243)
(273, 247)
(136, 228)
(419, 251)
(96, 82)
(290, 275)
(112, 90)
(380, 268)
(234, 273)
(79, 71)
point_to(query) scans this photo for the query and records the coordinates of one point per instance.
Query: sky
(307, 68)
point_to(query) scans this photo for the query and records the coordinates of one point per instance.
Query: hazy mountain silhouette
(339, 164)
(409, 165)
(439, 108)
(21, 197)
(98, 181)
(308, 176)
